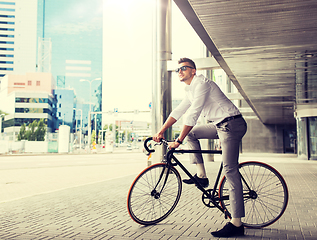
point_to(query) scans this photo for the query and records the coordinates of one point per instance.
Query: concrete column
(210, 143)
(161, 92)
(63, 139)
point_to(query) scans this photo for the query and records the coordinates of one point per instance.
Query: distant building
(81, 114)
(27, 98)
(18, 36)
(65, 107)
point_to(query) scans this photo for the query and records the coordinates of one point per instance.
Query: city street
(23, 176)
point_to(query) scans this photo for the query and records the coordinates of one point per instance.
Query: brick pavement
(98, 211)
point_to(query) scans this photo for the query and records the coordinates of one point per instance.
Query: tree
(30, 133)
(22, 133)
(36, 131)
(110, 127)
(40, 131)
(2, 112)
(93, 135)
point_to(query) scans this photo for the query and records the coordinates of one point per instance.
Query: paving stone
(98, 211)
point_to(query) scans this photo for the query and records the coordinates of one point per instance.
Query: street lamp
(81, 125)
(90, 81)
(89, 121)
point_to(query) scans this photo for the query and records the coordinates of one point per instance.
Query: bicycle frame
(170, 155)
(212, 197)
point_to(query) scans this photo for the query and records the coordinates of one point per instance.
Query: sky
(128, 51)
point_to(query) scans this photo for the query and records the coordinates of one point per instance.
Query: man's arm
(185, 131)
(168, 123)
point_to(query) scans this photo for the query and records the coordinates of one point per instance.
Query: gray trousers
(230, 135)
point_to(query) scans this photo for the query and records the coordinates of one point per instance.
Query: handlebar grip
(146, 147)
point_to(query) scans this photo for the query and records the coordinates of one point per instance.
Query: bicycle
(156, 191)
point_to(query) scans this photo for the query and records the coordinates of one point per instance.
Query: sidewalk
(98, 210)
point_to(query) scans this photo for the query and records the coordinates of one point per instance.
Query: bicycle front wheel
(154, 194)
(265, 194)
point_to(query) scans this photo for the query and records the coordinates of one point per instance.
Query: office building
(64, 106)
(26, 98)
(18, 36)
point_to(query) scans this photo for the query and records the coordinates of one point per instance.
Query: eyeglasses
(183, 68)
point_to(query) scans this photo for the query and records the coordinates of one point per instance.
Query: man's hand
(157, 137)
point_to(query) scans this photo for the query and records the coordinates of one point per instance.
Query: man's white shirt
(203, 96)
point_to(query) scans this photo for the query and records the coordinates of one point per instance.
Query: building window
(7, 9)
(33, 110)
(7, 29)
(6, 49)
(9, 69)
(34, 100)
(29, 83)
(12, 23)
(38, 83)
(8, 3)
(6, 55)
(60, 105)
(59, 114)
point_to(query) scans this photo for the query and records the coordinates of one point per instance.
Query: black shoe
(229, 230)
(204, 182)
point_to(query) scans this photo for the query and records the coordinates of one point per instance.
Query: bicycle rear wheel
(154, 194)
(265, 194)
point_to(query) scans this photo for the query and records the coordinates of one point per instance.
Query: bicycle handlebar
(146, 147)
(152, 150)
(178, 151)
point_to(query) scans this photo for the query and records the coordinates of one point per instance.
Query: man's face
(187, 74)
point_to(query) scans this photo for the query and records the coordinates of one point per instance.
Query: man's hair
(191, 62)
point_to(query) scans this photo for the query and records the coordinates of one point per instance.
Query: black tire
(268, 198)
(147, 203)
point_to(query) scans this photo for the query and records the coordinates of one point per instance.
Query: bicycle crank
(207, 198)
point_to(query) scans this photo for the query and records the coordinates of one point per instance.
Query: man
(225, 122)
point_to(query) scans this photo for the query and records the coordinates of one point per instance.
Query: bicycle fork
(157, 193)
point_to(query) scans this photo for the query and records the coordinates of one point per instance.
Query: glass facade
(306, 99)
(33, 110)
(312, 129)
(33, 100)
(65, 104)
(50, 118)
(75, 30)
(307, 137)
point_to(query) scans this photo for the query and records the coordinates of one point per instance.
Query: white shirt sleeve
(181, 109)
(201, 93)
